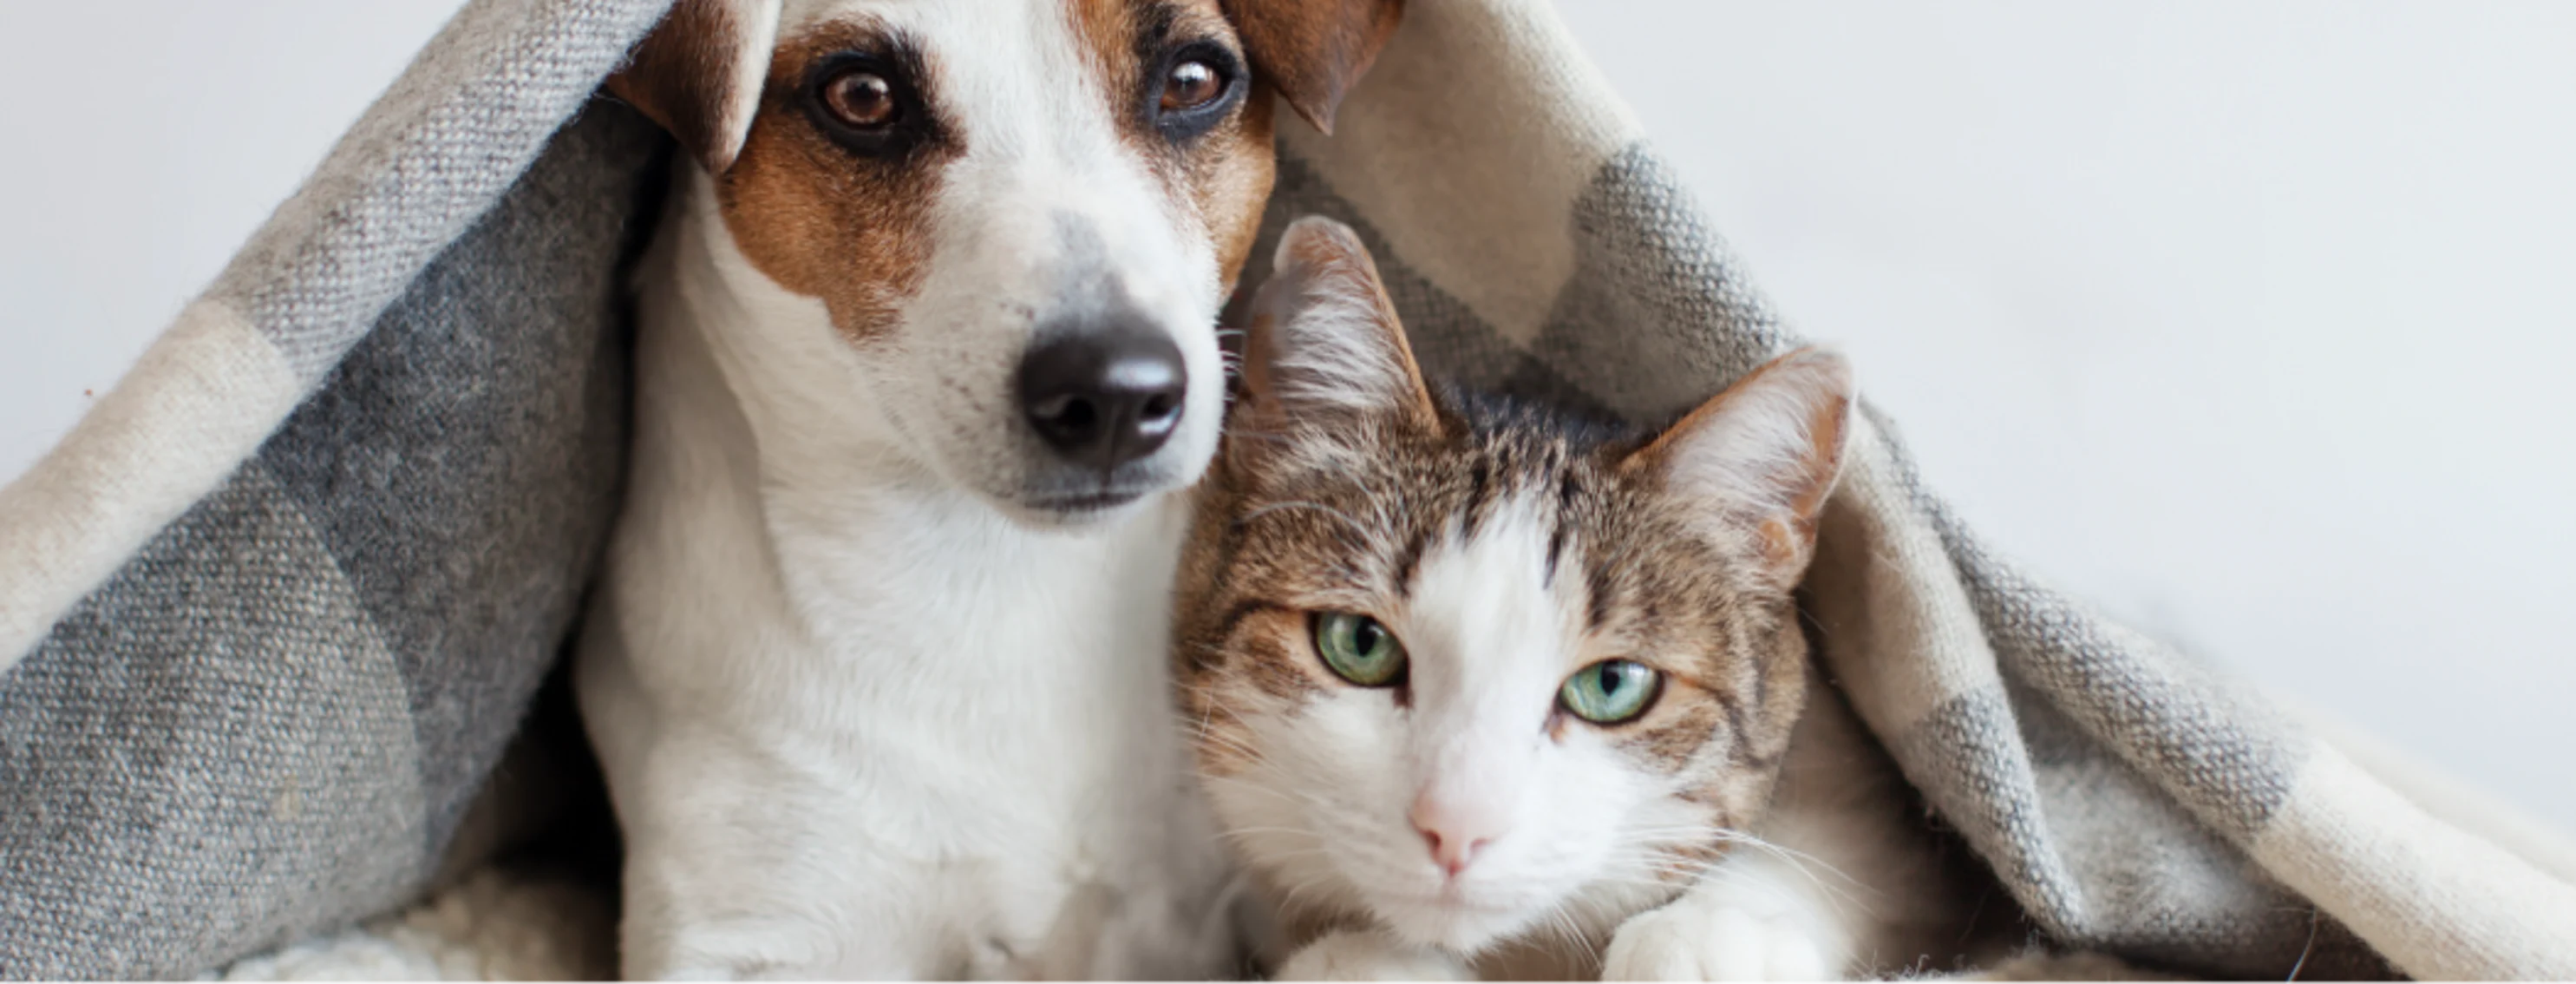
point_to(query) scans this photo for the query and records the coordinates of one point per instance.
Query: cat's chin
(1453, 925)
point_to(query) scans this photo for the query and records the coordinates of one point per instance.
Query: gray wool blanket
(272, 614)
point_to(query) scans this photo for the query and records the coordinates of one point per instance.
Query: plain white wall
(2251, 323)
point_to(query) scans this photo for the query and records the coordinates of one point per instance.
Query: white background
(2252, 323)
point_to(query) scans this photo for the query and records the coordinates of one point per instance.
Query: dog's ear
(1313, 50)
(1324, 349)
(699, 74)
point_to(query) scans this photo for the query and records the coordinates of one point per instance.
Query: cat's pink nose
(1454, 834)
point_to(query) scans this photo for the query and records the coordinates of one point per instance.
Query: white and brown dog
(927, 348)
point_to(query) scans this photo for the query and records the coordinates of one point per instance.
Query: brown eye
(1191, 85)
(861, 99)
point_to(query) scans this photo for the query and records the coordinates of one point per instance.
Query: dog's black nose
(1104, 398)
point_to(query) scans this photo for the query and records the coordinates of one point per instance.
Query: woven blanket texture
(271, 614)
(504, 925)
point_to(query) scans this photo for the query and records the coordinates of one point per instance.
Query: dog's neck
(776, 350)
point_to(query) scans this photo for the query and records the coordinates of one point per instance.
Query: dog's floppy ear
(1313, 50)
(699, 74)
(1324, 349)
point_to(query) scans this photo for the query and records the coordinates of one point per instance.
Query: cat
(1479, 688)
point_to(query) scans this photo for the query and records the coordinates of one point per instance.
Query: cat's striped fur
(1507, 546)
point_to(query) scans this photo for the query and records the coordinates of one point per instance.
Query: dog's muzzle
(1104, 398)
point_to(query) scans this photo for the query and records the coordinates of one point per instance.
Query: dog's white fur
(864, 709)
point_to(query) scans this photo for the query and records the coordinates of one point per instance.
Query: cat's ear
(1762, 456)
(1324, 348)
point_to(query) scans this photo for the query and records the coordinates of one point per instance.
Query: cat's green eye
(1358, 649)
(1611, 691)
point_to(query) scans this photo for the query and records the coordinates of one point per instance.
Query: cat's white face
(1469, 669)
(1479, 806)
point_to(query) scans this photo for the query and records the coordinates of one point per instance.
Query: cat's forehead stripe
(1408, 564)
(1567, 493)
(1480, 598)
(1599, 591)
(1505, 548)
(1502, 473)
(1479, 485)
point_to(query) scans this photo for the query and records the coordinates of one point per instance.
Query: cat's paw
(1347, 955)
(1687, 942)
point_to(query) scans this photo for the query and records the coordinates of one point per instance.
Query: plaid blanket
(271, 613)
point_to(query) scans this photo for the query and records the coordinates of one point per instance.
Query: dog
(926, 351)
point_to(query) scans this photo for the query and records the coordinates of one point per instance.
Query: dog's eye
(862, 99)
(870, 103)
(1197, 88)
(1191, 84)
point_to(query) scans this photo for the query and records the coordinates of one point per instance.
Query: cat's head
(1462, 666)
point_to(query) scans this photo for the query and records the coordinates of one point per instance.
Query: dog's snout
(1104, 398)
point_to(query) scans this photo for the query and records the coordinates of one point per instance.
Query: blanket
(508, 925)
(271, 615)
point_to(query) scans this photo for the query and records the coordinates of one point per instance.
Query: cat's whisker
(1290, 902)
(1256, 831)
(1801, 860)
(1339, 770)
(1306, 797)
(1571, 931)
(1834, 893)
(1627, 881)
(1298, 854)
(1249, 785)
(1683, 871)
(1804, 862)
(1351, 523)
(1229, 743)
(1238, 746)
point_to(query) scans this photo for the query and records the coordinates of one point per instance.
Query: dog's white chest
(1010, 682)
(952, 753)
(859, 725)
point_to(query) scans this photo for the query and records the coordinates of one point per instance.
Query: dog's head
(1021, 216)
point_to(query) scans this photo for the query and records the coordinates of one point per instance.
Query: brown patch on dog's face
(849, 221)
(1053, 174)
(1217, 164)
(826, 214)
(1230, 182)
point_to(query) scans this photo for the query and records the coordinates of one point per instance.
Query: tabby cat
(1482, 689)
